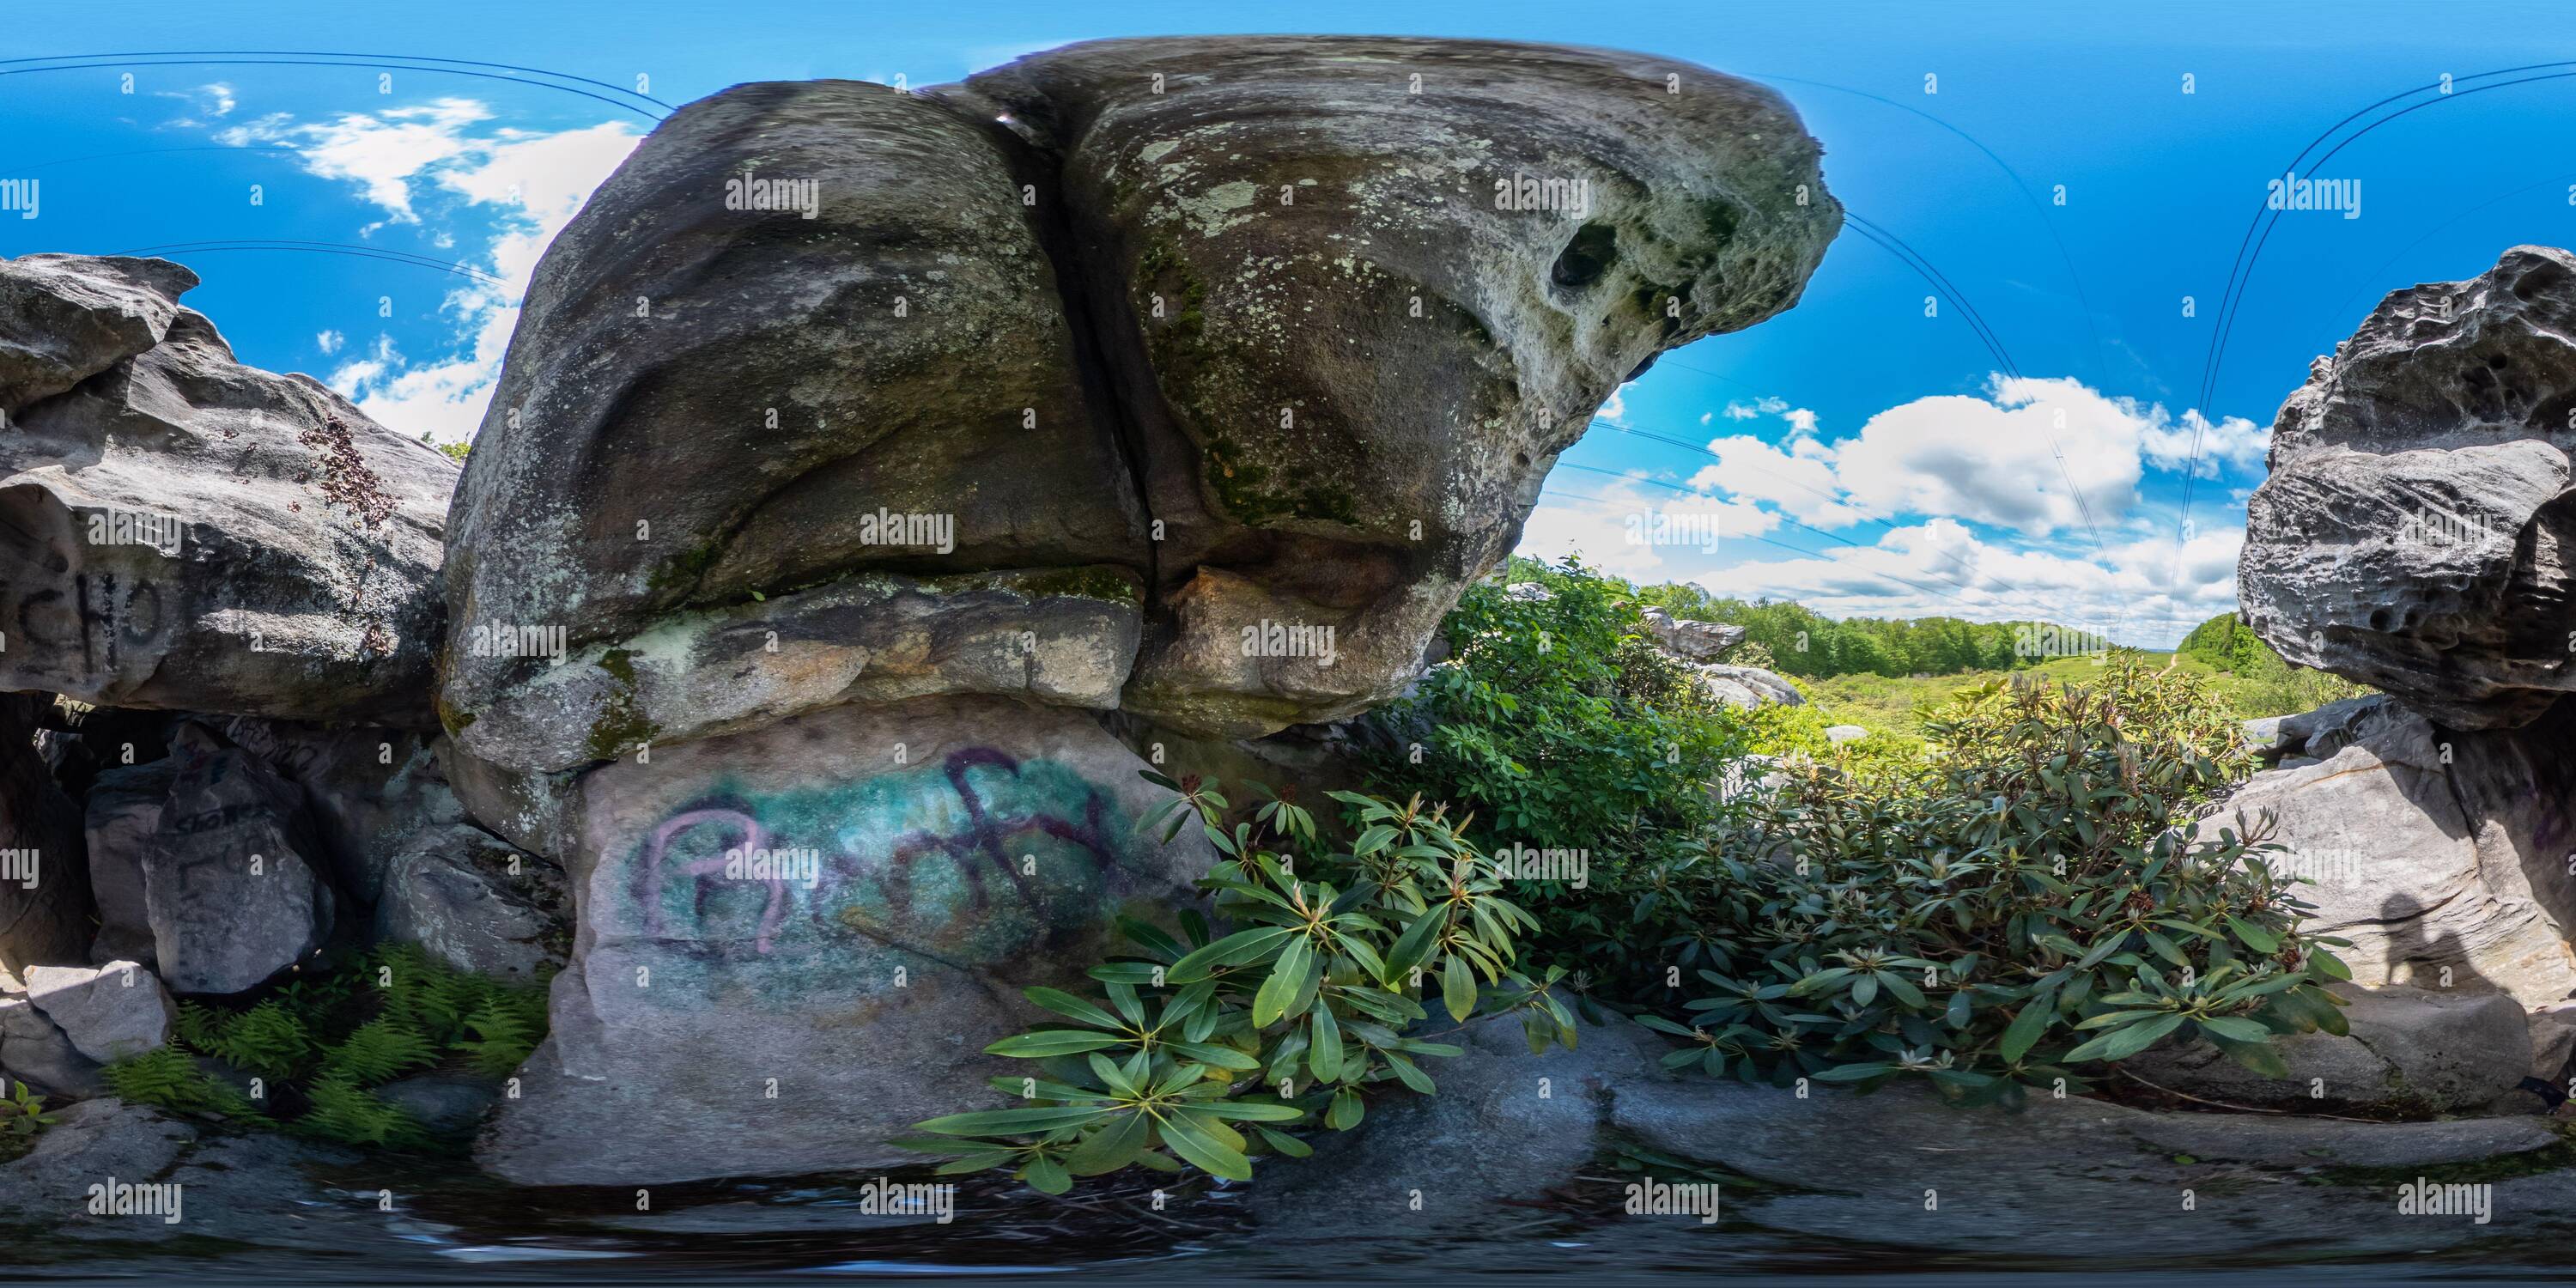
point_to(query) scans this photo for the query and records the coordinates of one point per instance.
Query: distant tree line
(1807, 644)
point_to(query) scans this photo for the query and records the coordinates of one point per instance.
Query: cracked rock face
(181, 532)
(2415, 531)
(1232, 433)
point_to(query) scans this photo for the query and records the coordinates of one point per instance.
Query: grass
(1882, 704)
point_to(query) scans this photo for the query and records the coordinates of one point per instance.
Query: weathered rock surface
(798, 382)
(2441, 857)
(847, 902)
(44, 874)
(37, 1051)
(110, 1012)
(1353, 327)
(124, 815)
(179, 531)
(368, 792)
(1747, 687)
(2410, 1051)
(65, 318)
(477, 903)
(1695, 641)
(233, 881)
(1046, 339)
(2414, 528)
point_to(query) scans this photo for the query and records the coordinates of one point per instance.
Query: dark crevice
(1092, 313)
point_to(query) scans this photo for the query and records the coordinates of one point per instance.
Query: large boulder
(233, 883)
(370, 793)
(704, 506)
(1355, 294)
(1014, 388)
(846, 902)
(44, 872)
(179, 531)
(2442, 856)
(2413, 531)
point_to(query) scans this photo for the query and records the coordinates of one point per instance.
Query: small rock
(110, 1013)
(1839, 734)
(477, 903)
(1693, 641)
(448, 1104)
(36, 1051)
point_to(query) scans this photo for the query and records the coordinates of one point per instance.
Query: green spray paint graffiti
(979, 861)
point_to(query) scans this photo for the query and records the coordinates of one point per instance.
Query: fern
(200, 1026)
(379, 1050)
(503, 1037)
(165, 1077)
(267, 1040)
(346, 1112)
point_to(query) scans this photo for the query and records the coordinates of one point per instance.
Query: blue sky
(1863, 457)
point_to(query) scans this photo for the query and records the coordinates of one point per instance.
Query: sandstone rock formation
(846, 901)
(1043, 388)
(2414, 531)
(179, 531)
(861, 457)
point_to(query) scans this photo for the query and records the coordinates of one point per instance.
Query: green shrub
(1304, 1001)
(324, 1041)
(2021, 907)
(1555, 724)
(22, 1117)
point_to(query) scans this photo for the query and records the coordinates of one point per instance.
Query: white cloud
(2005, 459)
(521, 187)
(1615, 527)
(1615, 411)
(2138, 593)
(384, 153)
(329, 342)
(212, 101)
